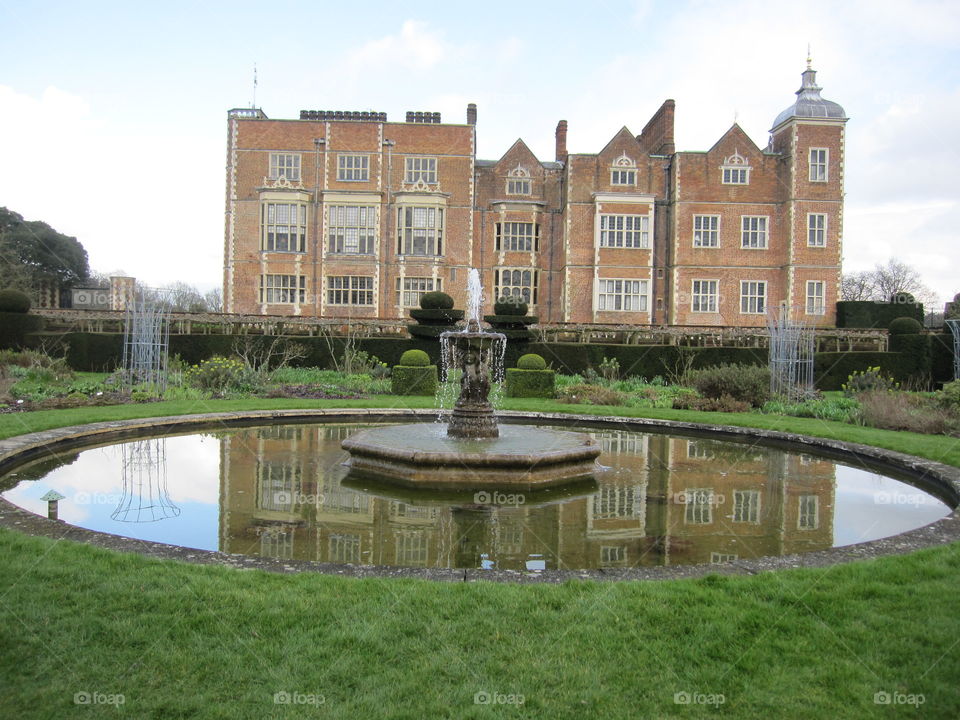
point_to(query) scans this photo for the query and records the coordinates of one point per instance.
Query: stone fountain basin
(522, 458)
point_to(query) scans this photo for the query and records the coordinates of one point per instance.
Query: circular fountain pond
(284, 491)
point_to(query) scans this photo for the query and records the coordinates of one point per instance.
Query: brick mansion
(347, 214)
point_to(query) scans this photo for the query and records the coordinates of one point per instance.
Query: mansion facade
(344, 214)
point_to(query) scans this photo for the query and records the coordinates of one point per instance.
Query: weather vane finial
(809, 59)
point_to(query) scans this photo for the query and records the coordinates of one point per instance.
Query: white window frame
(624, 172)
(281, 289)
(517, 237)
(350, 290)
(816, 229)
(816, 297)
(285, 165)
(753, 297)
(819, 164)
(746, 506)
(698, 508)
(613, 555)
(518, 186)
(622, 292)
(283, 219)
(808, 512)
(516, 282)
(412, 548)
(518, 181)
(617, 501)
(754, 232)
(411, 289)
(353, 168)
(735, 170)
(704, 295)
(625, 231)
(344, 548)
(706, 231)
(351, 229)
(420, 169)
(420, 227)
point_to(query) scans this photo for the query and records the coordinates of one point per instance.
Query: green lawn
(179, 640)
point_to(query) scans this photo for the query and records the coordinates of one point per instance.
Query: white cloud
(416, 47)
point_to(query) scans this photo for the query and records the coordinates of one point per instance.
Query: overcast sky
(113, 114)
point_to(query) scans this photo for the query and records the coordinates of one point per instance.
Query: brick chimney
(562, 141)
(472, 114)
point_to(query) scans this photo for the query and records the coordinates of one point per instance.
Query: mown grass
(191, 641)
(210, 642)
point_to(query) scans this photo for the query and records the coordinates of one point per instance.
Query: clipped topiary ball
(415, 358)
(436, 300)
(531, 361)
(510, 305)
(14, 301)
(904, 326)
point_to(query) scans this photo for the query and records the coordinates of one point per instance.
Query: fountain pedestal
(471, 453)
(473, 415)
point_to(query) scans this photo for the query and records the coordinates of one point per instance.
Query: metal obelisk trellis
(792, 348)
(146, 339)
(145, 497)
(954, 325)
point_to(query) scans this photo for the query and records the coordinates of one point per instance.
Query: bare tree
(213, 300)
(885, 281)
(858, 286)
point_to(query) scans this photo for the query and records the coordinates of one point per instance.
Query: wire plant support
(954, 325)
(145, 497)
(146, 342)
(792, 346)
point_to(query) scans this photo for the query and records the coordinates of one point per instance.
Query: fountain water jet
(475, 352)
(472, 452)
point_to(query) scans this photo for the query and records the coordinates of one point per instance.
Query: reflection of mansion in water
(663, 501)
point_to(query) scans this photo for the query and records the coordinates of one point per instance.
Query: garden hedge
(870, 314)
(413, 380)
(831, 369)
(530, 383)
(14, 328)
(646, 361)
(916, 354)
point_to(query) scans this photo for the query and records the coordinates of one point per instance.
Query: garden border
(940, 479)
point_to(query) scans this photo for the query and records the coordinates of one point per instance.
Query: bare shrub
(591, 395)
(901, 411)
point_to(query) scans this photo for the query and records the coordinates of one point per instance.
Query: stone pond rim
(943, 480)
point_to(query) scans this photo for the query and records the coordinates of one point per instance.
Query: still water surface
(283, 491)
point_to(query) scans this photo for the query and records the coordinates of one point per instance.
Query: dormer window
(518, 181)
(735, 170)
(624, 171)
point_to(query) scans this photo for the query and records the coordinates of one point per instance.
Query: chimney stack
(562, 141)
(472, 114)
